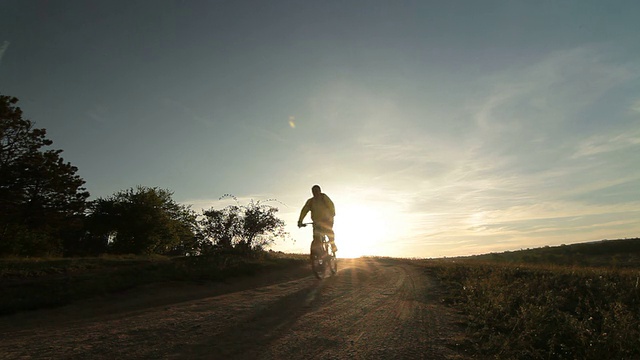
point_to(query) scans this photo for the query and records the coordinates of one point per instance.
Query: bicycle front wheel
(318, 266)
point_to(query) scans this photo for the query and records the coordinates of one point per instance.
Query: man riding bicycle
(322, 213)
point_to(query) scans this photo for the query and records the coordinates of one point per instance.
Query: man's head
(315, 190)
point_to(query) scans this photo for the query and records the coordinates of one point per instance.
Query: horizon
(456, 129)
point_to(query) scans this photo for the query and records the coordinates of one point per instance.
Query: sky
(438, 128)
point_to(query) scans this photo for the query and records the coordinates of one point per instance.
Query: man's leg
(312, 251)
(332, 240)
(316, 244)
(327, 227)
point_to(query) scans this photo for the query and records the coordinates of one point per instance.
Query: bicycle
(325, 260)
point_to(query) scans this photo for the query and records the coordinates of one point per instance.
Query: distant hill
(622, 253)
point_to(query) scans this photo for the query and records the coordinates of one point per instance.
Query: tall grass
(546, 312)
(27, 284)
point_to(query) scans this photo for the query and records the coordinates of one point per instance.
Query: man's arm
(330, 205)
(304, 211)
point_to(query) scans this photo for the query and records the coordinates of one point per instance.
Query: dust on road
(373, 309)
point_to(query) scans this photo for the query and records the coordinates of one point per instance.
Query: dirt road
(373, 309)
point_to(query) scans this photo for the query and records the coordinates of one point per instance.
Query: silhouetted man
(322, 213)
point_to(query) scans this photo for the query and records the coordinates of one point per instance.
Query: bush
(22, 241)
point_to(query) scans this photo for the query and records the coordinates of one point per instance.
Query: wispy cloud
(533, 108)
(191, 114)
(600, 144)
(98, 113)
(262, 132)
(3, 49)
(520, 174)
(509, 169)
(635, 107)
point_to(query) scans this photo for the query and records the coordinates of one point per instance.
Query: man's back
(321, 207)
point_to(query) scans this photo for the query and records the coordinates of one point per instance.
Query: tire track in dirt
(373, 309)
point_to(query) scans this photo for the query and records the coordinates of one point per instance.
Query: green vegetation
(28, 284)
(243, 227)
(139, 221)
(44, 209)
(44, 212)
(41, 197)
(623, 253)
(519, 310)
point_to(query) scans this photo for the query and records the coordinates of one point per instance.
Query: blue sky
(438, 128)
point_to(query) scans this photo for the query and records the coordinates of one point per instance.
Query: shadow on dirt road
(372, 309)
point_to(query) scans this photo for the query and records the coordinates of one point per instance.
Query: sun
(360, 229)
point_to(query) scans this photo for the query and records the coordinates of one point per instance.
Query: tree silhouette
(220, 228)
(41, 197)
(142, 220)
(243, 227)
(261, 226)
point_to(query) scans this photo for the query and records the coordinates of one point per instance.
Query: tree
(260, 226)
(142, 220)
(249, 227)
(220, 228)
(41, 196)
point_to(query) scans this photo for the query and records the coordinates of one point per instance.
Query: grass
(528, 311)
(28, 284)
(622, 253)
(571, 302)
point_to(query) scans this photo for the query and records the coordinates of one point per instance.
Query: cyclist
(322, 213)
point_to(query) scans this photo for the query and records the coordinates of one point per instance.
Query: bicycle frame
(320, 261)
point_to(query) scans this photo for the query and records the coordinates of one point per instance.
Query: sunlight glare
(359, 229)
